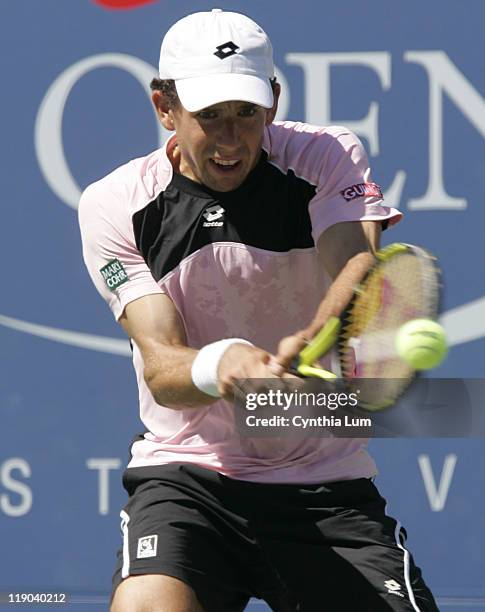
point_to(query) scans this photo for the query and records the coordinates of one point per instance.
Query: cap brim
(197, 93)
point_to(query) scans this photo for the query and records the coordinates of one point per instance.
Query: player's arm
(346, 251)
(154, 324)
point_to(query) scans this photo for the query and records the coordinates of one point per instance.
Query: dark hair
(167, 88)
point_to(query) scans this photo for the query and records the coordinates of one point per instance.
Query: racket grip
(305, 371)
(315, 372)
(321, 343)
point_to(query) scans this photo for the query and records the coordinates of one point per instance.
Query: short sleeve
(334, 161)
(114, 263)
(346, 191)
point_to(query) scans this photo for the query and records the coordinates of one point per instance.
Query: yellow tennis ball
(421, 343)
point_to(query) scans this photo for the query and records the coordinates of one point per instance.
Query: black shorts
(312, 548)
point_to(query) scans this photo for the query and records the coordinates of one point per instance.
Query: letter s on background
(15, 486)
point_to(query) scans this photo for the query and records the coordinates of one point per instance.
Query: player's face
(219, 145)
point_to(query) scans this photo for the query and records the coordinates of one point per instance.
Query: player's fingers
(292, 376)
(274, 367)
(289, 348)
(241, 364)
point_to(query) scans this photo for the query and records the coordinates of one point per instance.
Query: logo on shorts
(393, 587)
(114, 274)
(362, 190)
(211, 214)
(147, 547)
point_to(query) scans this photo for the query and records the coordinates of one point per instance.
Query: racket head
(404, 284)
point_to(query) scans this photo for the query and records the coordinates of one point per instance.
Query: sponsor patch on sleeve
(362, 190)
(114, 274)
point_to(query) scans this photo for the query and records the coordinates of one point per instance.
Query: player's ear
(271, 113)
(165, 114)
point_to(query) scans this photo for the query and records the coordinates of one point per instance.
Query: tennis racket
(402, 285)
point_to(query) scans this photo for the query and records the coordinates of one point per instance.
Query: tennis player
(219, 254)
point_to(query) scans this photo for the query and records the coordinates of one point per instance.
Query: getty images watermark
(284, 402)
(451, 407)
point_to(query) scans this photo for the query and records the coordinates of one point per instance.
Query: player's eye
(247, 111)
(207, 114)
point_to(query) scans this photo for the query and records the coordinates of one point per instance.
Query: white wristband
(206, 364)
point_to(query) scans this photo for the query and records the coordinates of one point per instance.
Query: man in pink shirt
(212, 253)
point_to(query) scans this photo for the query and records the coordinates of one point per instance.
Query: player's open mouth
(225, 165)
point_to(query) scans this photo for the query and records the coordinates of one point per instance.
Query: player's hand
(288, 348)
(243, 361)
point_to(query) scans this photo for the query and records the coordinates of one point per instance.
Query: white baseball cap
(216, 57)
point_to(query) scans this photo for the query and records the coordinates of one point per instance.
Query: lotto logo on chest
(214, 216)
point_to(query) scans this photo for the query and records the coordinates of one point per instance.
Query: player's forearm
(179, 377)
(341, 290)
(168, 376)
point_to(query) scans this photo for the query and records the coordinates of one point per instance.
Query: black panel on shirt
(268, 211)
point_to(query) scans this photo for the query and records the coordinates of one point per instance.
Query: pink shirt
(233, 288)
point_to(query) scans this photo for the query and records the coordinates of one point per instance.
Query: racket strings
(399, 289)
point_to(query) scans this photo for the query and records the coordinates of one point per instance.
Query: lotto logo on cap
(216, 57)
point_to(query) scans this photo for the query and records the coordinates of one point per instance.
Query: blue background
(61, 405)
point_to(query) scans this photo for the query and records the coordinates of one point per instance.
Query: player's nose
(228, 135)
